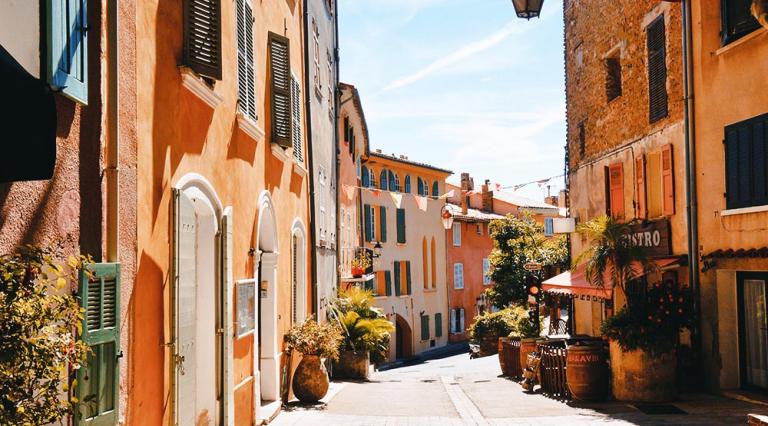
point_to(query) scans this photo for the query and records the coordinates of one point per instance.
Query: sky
(461, 84)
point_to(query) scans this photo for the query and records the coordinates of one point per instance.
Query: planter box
(352, 365)
(637, 376)
(489, 345)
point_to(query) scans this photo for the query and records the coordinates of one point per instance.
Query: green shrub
(523, 326)
(495, 324)
(365, 328)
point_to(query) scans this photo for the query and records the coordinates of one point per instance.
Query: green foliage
(40, 329)
(522, 325)
(365, 328)
(493, 325)
(518, 241)
(311, 338)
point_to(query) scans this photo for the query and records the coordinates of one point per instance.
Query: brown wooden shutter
(202, 37)
(616, 177)
(642, 209)
(657, 70)
(668, 179)
(280, 85)
(612, 78)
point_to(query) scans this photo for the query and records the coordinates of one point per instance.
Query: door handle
(180, 363)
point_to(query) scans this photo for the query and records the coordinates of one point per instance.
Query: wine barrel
(527, 346)
(587, 372)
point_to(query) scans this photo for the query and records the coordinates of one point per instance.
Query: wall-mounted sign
(654, 236)
(246, 307)
(531, 267)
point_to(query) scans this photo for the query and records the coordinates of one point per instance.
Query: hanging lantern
(528, 8)
(447, 218)
(760, 11)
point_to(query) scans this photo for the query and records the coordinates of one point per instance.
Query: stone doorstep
(752, 398)
(757, 420)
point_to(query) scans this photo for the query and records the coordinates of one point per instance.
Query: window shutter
(425, 327)
(398, 278)
(401, 226)
(420, 186)
(383, 180)
(98, 380)
(383, 223)
(246, 84)
(368, 223)
(668, 180)
(280, 85)
(612, 78)
(346, 129)
(408, 277)
(657, 70)
(737, 19)
(759, 141)
(67, 47)
(438, 325)
(392, 181)
(642, 211)
(388, 282)
(366, 177)
(746, 155)
(434, 263)
(296, 120)
(732, 168)
(616, 177)
(202, 37)
(435, 189)
(461, 320)
(407, 189)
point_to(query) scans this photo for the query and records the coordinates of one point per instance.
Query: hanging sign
(246, 307)
(532, 266)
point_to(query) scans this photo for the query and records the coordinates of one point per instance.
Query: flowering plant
(311, 338)
(362, 261)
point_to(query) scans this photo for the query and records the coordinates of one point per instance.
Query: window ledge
(744, 210)
(197, 86)
(299, 169)
(280, 152)
(736, 43)
(458, 288)
(247, 125)
(430, 290)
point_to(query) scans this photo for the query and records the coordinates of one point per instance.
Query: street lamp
(377, 249)
(528, 8)
(447, 217)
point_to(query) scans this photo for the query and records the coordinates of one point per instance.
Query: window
(403, 278)
(322, 200)
(67, 46)
(407, 189)
(438, 325)
(296, 120)
(394, 182)
(612, 77)
(737, 19)
(280, 81)
(346, 129)
(366, 177)
(435, 189)
(458, 276)
(434, 263)
(582, 138)
(456, 235)
(657, 70)
(369, 213)
(425, 262)
(381, 284)
(486, 271)
(246, 83)
(614, 186)
(316, 58)
(655, 183)
(423, 187)
(401, 226)
(424, 327)
(479, 229)
(372, 176)
(457, 320)
(382, 224)
(383, 180)
(746, 161)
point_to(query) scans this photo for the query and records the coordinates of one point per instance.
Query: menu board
(246, 308)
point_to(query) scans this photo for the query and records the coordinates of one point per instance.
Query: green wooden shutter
(408, 276)
(388, 282)
(369, 285)
(368, 223)
(383, 223)
(98, 380)
(67, 47)
(280, 82)
(425, 327)
(397, 278)
(438, 325)
(202, 37)
(401, 226)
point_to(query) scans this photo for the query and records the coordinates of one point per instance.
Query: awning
(574, 282)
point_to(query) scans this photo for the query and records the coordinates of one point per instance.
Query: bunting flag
(350, 191)
(397, 198)
(376, 192)
(448, 194)
(421, 202)
(498, 186)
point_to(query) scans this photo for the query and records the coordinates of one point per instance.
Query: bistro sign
(654, 236)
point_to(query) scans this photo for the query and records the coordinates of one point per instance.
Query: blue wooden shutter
(383, 223)
(366, 177)
(408, 276)
(438, 325)
(407, 185)
(368, 223)
(388, 282)
(425, 327)
(398, 278)
(435, 189)
(392, 182)
(401, 226)
(98, 380)
(67, 47)
(383, 180)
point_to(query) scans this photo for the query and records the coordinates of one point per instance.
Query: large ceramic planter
(310, 381)
(352, 365)
(489, 345)
(637, 376)
(587, 372)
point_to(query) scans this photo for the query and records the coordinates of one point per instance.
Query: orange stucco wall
(178, 133)
(349, 157)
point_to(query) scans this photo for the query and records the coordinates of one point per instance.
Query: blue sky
(460, 84)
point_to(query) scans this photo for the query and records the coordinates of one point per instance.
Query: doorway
(403, 338)
(753, 329)
(268, 360)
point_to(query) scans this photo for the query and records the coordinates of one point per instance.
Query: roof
(473, 215)
(521, 201)
(410, 162)
(359, 107)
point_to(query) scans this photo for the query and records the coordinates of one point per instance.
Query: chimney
(551, 200)
(467, 183)
(487, 197)
(464, 204)
(562, 199)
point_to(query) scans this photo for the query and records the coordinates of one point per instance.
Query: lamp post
(528, 8)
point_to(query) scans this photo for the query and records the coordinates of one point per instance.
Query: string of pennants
(421, 200)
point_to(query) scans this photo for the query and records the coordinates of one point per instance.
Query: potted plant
(314, 342)
(643, 333)
(510, 354)
(360, 263)
(488, 327)
(365, 331)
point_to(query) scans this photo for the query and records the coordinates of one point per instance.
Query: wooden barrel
(587, 372)
(503, 355)
(527, 346)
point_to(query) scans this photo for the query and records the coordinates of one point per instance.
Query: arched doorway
(269, 348)
(403, 338)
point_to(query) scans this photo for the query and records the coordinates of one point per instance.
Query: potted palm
(314, 342)
(365, 331)
(643, 333)
(359, 264)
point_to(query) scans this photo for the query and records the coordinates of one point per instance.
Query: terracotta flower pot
(637, 376)
(357, 271)
(352, 365)
(310, 381)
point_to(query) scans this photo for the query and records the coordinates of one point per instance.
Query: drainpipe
(337, 141)
(310, 162)
(690, 169)
(113, 141)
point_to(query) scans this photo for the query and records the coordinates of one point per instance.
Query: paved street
(460, 391)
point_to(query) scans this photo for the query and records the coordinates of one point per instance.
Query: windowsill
(743, 40)
(404, 296)
(199, 88)
(280, 152)
(249, 127)
(458, 288)
(430, 290)
(744, 210)
(299, 169)
(364, 278)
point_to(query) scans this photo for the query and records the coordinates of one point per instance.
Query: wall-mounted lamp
(528, 8)
(447, 217)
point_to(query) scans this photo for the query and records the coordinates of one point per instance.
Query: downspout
(113, 141)
(690, 169)
(337, 141)
(310, 162)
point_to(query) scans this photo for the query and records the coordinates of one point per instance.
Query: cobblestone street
(460, 391)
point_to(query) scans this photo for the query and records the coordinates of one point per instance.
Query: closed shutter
(202, 37)
(461, 320)
(369, 285)
(438, 325)
(280, 85)
(99, 379)
(668, 179)
(407, 188)
(296, 120)
(383, 180)
(67, 47)
(458, 276)
(383, 223)
(424, 327)
(388, 282)
(346, 129)
(368, 223)
(420, 186)
(392, 181)
(366, 177)
(737, 19)
(408, 277)
(642, 210)
(435, 189)
(616, 177)
(657, 69)
(401, 226)
(246, 83)
(746, 155)
(398, 278)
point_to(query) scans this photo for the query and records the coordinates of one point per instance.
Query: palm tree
(365, 327)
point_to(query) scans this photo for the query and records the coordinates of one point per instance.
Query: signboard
(532, 267)
(246, 307)
(654, 236)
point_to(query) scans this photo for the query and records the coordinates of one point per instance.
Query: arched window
(425, 262)
(366, 177)
(372, 179)
(407, 188)
(397, 183)
(434, 263)
(435, 189)
(393, 186)
(383, 180)
(420, 186)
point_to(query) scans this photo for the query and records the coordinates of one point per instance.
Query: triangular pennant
(448, 194)
(376, 192)
(350, 191)
(421, 202)
(397, 198)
